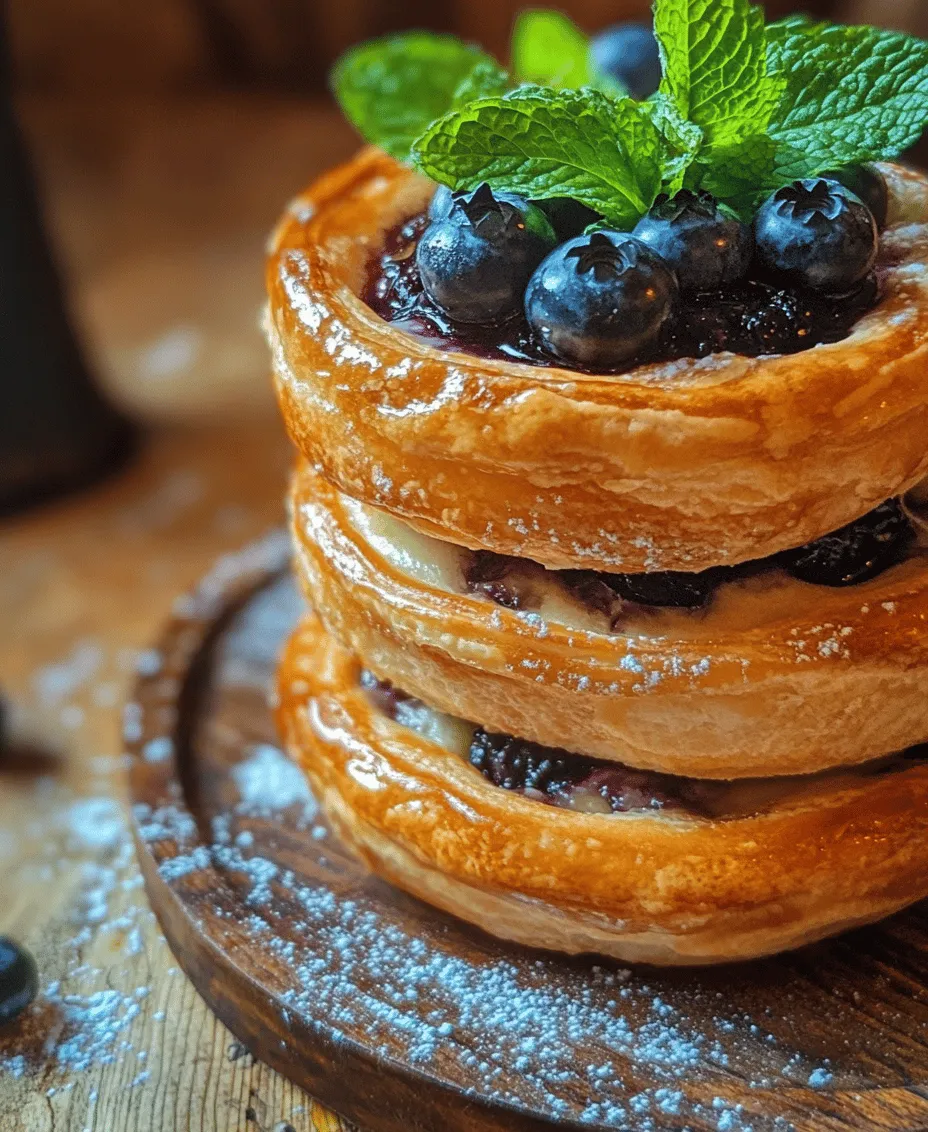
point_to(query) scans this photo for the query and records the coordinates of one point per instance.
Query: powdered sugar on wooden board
(344, 954)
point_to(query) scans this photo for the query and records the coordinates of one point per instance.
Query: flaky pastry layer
(652, 887)
(679, 465)
(835, 683)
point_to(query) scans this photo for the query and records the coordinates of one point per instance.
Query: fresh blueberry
(444, 198)
(629, 54)
(867, 182)
(476, 262)
(599, 300)
(19, 979)
(568, 217)
(441, 203)
(856, 553)
(817, 234)
(707, 246)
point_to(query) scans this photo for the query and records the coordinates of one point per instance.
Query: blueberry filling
(856, 553)
(386, 698)
(752, 316)
(19, 979)
(560, 778)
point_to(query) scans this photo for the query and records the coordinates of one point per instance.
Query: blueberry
(856, 553)
(599, 300)
(441, 203)
(868, 183)
(443, 200)
(817, 234)
(629, 54)
(707, 246)
(476, 262)
(19, 979)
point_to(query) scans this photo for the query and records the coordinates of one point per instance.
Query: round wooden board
(401, 1018)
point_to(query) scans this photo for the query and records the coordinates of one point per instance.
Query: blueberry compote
(856, 553)
(751, 317)
(570, 781)
(560, 778)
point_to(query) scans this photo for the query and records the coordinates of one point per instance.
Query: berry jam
(560, 778)
(856, 553)
(752, 318)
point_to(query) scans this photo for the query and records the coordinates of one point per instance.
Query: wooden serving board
(401, 1018)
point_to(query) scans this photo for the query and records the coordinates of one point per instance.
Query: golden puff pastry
(775, 677)
(679, 465)
(668, 887)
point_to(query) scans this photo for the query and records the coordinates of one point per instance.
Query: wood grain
(84, 586)
(257, 903)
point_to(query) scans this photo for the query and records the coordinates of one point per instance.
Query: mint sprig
(543, 144)
(743, 108)
(392, 89)
(852, 94)
(714, 58)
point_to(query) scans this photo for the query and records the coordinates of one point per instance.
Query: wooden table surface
(119, 1040)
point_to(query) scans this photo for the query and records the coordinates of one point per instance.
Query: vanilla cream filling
(717, 799)
(736, 606)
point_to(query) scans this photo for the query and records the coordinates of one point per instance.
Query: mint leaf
(486, 80)
(738, 174)
(682, 141)
(548, 49)
(544, 144)
(714, 57)
(853, 94)
(392, 89)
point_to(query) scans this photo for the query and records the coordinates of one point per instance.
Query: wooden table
(119, 1040)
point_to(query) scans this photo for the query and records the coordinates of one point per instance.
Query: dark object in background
(56, 431)
(19, 980)
(629, 54)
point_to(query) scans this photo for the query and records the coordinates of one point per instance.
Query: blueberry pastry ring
(661, 887)
(843, 682)
(680, 465)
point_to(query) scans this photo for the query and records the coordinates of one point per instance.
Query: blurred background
(168, 135)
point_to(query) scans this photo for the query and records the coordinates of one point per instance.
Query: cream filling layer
(716, 799)
(737, 606)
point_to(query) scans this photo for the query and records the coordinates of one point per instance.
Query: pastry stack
(569, 673)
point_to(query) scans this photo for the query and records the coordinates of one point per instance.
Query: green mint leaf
(738, 174)
(683, 141)
(486, 80)
(853, 94)
(544, 144)
(550, 50)
(714, 57)
(392, 89)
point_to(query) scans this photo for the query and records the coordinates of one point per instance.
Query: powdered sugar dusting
(268, 781)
